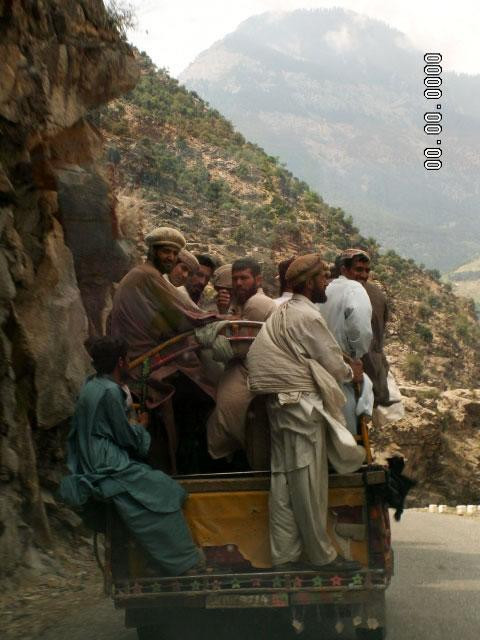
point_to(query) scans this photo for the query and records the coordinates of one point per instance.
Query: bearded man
(197, 281)
(348, 313)
(148, 310)
(226, 425)
(374, 361)
(296, 361)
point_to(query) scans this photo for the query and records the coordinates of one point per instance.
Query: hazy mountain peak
(339, 97)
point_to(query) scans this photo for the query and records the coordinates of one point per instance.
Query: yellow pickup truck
(240, 591)
(228, 515)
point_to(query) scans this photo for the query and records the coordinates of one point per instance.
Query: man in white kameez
(297, 362)
(348, 314)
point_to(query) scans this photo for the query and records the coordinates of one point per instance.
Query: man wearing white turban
(148, 310)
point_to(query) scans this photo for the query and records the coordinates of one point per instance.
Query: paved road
(435, 594)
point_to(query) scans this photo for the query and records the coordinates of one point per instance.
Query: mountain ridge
(352, 125)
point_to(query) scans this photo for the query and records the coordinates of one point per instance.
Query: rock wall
(439, 437)
(58, 59)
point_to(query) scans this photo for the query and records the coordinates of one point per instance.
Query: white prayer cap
(222, 277)
(166, 236)
(189, 259)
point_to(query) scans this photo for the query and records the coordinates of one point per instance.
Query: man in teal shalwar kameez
(100, 446)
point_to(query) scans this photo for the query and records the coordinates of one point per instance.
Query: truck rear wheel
(150, 632)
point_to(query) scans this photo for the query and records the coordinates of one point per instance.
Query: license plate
(245, 600)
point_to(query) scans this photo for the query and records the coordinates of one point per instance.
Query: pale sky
(174, 32)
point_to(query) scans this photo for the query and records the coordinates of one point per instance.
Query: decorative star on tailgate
(336, 581)
(357, 580)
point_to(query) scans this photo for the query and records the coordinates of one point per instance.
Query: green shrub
(414, 367)
(243, 171)
(434, 301)
(423, 332)
(242, 233)
(119, 127)
(424, 312)
(434, 274)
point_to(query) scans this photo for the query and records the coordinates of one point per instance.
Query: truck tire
(150, 632)
(371, 634)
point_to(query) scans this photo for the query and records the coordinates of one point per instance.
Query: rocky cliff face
(439, 439)
(58, 244)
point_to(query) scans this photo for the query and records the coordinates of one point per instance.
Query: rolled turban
(222, 278)
(354, 253)
(188, 259)
(166, 236)
(304, 267)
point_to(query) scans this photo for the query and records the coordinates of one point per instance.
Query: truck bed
(228, 516)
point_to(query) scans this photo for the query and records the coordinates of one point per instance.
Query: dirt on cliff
(56, 585)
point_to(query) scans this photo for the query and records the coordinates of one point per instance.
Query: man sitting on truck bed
(102, 447)
(297, 362)
(147, 309)
(226, 425)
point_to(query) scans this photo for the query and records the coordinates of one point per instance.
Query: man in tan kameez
(226, 425)
(148, 310)
(297, 362)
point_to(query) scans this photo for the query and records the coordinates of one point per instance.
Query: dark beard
(245, 295)
(319, 295)
(194, 292)
(163, 267)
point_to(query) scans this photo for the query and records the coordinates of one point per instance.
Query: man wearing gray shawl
(297, 362)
